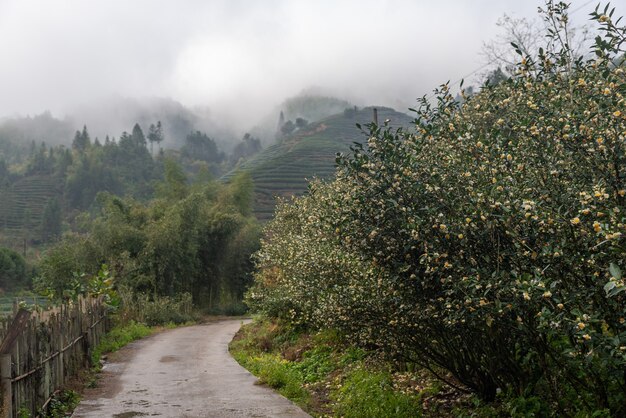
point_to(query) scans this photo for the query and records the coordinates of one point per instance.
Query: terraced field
(284, 169)
(7, 302)
(22, 204)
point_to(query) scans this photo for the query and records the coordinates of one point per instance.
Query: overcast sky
(249, 55)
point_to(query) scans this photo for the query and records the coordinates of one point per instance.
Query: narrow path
(184, 372)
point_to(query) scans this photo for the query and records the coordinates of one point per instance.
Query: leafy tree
(496, 76)
(81, 140)
(281, 121)
(63, 268)
(174, 187)
(184, 241)
(301, 123)
(63, 160)
(13, 270)
(248, 146)
(51, 220)
(133, 164)
(4, 170)
(42, 161)
(155, 134)
(86, 177)
(287, 128)
(242, 192)
(198, 146)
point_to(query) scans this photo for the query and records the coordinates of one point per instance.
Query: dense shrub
(13, 269)
(154, 310)
(489, 243)
(192, 239)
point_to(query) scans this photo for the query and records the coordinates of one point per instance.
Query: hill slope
(284, 169)
(22, 206)
(311, 107)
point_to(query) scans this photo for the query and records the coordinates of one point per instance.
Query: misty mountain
(39, 128)
(116, 115)
(113, 116)
(310, 107)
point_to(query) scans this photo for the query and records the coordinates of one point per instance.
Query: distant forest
(44, 186)
(53, 181)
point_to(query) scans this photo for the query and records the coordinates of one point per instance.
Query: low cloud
(239, 58)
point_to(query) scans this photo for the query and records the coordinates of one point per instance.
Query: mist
(235, 60)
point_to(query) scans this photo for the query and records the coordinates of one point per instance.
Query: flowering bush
(490, 242)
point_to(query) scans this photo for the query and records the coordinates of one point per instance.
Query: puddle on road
(112, 367)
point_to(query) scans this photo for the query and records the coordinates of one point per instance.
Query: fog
(237, 58)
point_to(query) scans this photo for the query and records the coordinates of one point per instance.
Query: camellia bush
(489, 243)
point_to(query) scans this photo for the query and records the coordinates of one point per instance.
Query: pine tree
(81, 140)
(155, 134)
(138, 137)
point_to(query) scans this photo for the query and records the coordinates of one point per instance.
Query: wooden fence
(40, 350)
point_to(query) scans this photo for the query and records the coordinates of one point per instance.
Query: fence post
(86, 350)
(5, 376)
(17, 326)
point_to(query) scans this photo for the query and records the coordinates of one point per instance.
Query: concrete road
(184, 372)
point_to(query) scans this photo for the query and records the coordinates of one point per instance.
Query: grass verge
(327, 377)
(118, 337)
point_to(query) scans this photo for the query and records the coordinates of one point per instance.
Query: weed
(316, 364)
(118, 337)
(62, 404)
(320, 372)
(371, 394)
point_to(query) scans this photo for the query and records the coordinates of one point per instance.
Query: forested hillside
(44, 187)
(285, 168)
(49, 186)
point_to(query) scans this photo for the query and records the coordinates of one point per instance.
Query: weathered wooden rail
(40, 350)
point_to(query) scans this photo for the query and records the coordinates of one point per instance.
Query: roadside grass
(372, 394)
(118, 337)
(328, 377)
(253, 352)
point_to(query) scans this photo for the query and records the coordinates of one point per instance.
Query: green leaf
(618, 290)
(609, 286)
(615, 271)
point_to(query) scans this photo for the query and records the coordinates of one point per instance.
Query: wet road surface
(183, 372)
